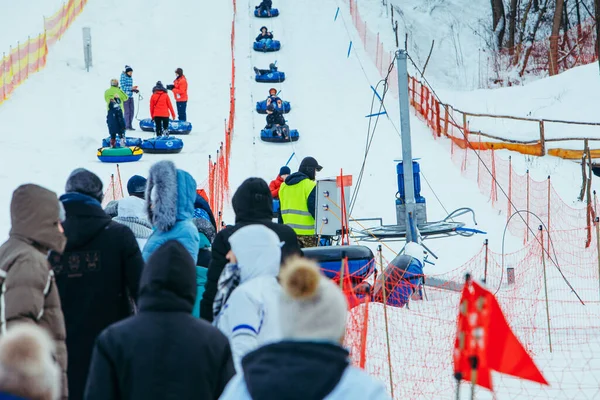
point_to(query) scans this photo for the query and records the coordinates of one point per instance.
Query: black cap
(308, 166)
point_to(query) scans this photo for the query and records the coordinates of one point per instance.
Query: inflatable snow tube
(276, 206)
(120, 154)
(261, 107)
(129, 141)
(265, 13)
(275, 45)
(162, 145)
(267, 135)
(403, 277)
(271, 77)
(175, 127)
(361, 261)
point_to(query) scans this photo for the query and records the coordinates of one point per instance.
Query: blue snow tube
(271, 77)
(403, 276)
(162, 145)
(361, 261)
(175, 127)
(267, 135)
(119, 154)
(129, 141)
(276, 206)
(274, 45)
(265, 14)
(261, 107)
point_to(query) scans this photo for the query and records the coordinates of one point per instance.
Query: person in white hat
(309, 362)
(246, 307)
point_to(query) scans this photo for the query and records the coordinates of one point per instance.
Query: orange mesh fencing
(114, 190)
(218, 169)
(539, 287)
(29, 56)
(410, 348)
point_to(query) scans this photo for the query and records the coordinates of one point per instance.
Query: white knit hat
(312, 307)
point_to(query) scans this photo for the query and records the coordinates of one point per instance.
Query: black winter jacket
(260, 37)
(252, 204)
(265, 4)
(275, 119)
(99, 268)
(115, 121)
(163, 352)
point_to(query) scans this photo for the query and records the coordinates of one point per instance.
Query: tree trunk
(531, 38)
(498, 22)
(512, 26)
(558, 14)
(597, 18)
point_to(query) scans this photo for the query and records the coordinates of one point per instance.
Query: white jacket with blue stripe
(250, 318)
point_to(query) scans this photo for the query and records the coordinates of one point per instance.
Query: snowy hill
(55, 121)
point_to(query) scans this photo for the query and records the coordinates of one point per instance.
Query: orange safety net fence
(410, 348)
(30, 55)
(218, 168)
(539, 287)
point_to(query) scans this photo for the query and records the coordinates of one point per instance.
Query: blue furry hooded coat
(170, 196)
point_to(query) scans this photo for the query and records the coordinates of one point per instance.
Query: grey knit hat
(85, 182)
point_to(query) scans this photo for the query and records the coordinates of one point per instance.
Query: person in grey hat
(97, 275)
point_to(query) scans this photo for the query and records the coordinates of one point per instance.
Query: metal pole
(485, 243)
(409, 187)
(546, 288)
(597, 222)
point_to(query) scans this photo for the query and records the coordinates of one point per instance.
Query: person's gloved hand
(170, 87)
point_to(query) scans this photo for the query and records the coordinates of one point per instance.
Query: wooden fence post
(542, 138)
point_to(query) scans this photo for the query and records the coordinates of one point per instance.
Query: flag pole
(458, 377)
(546, 286)
(474, 361)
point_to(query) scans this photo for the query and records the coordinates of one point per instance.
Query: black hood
(85, 219)
(168, 282)
(295, 178)
(252, 201)
(303, 370)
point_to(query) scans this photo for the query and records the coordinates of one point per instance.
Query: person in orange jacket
(276, 183)
(160, 106)
(179, 88)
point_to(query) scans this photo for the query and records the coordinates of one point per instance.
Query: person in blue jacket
(309, 362)
(170, 196)
(265, 37)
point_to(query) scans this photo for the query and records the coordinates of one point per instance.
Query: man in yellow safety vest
(297, 199)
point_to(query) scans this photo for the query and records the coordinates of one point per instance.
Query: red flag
(483, 335)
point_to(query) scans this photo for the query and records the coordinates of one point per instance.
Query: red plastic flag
(484, 341)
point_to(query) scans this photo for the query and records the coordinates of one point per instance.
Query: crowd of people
(148, 299)
(121, 109)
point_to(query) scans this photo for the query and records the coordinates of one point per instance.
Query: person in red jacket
(160, 106)
(276, 183)
(179, 88)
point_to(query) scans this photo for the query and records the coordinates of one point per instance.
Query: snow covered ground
(56, 120)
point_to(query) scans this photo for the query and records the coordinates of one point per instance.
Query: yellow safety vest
(294, 207)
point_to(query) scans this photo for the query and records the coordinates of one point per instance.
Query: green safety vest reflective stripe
(293, 202)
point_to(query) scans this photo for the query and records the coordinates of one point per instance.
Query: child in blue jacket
(170, 196)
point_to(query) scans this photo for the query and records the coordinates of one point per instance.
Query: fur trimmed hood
(170, 195)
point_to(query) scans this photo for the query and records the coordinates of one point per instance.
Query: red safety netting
(549, 290)
(218, 168)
